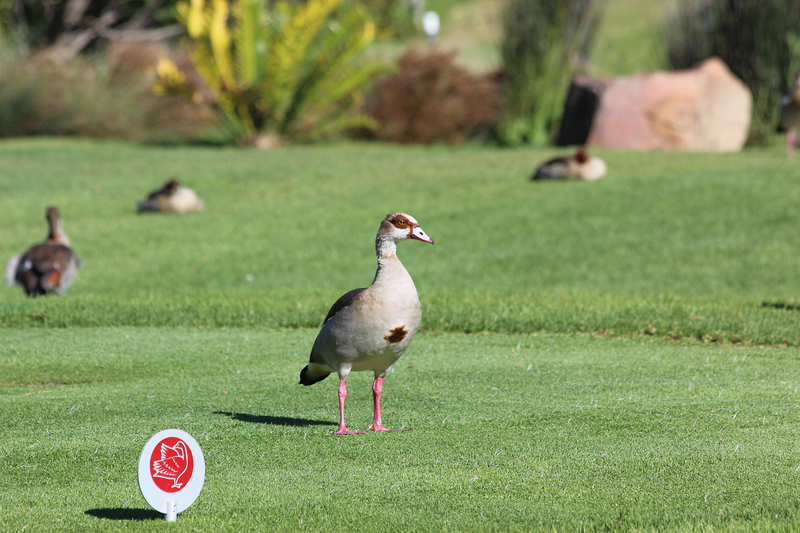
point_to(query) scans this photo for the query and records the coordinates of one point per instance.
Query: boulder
(705, 108)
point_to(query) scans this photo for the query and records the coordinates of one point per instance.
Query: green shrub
(543, 43)
(282, 71)
(759, 40)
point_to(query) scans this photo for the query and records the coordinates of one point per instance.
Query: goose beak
(419, 235)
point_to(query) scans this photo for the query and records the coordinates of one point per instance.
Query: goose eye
(401, 222)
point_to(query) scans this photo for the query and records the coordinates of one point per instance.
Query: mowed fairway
(609, 356)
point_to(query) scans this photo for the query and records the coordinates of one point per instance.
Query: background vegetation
(616, 37)
(759, 41)
(543, 45)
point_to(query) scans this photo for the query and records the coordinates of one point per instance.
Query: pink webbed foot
(345, 431)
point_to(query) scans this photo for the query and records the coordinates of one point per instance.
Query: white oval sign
(171, 471)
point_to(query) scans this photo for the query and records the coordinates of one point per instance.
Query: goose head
(395, 228)
(399, 226)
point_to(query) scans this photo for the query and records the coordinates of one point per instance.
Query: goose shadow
(119, 513)
(275, 420)
(781, 305)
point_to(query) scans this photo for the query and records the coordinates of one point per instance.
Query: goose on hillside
(790, 116)
(369, 329)
(172, 198)
(579, 166)
(47, 267)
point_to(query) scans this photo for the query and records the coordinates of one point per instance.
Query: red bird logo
(173, 463)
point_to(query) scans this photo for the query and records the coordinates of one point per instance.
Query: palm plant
(288, 70)
(544, 42)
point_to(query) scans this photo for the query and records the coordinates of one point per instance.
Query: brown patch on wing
(345, 301)
(581, 156)
(50, 281)
(396, 335)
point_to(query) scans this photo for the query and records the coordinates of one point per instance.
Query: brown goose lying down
(48, 267)
(369, 329)
(172, 198)
(580, 166)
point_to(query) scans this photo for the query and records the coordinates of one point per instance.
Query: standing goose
(369, 329)
(47, 267)
(56, 235)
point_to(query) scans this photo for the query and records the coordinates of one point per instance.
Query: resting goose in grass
(790, 116)
(172, 198)
(369, 329)
(48, 267)
(579, 166)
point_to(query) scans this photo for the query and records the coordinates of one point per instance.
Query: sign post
(171, 472)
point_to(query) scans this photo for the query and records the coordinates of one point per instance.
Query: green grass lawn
(592, 355)
(673, 245)
(510, 432)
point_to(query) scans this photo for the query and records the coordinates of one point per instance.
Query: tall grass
(542, 45)
(758, 41)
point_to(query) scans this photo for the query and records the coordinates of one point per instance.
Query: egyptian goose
(579, 166)
(172, 198)
(790, 116)
(369, 329)
(47, 267)
(56, 235)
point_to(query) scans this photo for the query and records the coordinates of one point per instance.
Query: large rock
(701, 109)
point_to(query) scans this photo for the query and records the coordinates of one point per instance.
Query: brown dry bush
(430, 99)
(105, 95)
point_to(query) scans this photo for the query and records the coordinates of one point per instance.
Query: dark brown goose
(171, 198)
(579, 166)
(49, 267)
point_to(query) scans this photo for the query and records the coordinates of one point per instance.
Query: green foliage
(288, 70)
(757, 40)
(543, 44)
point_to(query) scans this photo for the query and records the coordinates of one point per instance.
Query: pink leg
(790, 143)
(377, 425)
(342, 428)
